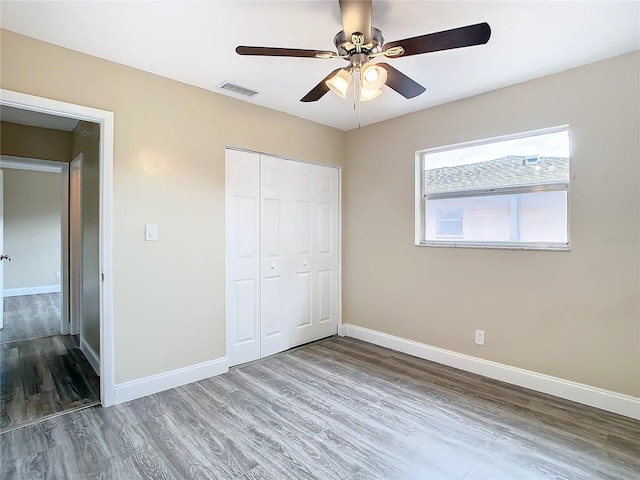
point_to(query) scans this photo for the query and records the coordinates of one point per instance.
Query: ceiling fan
(359, 43)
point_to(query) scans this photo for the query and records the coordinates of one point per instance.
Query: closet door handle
(5, 257)
(273, 267)
(304, 264)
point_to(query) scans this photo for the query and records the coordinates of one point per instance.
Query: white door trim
(341, 330)
(49, 166)
(1, 248)
(105, 119)
(31, 164)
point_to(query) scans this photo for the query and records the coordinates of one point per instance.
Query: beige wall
(169, 170)
(574, 315)
(34, 142)
(32, 228)
(86, 141)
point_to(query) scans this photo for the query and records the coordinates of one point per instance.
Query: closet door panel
(242, 227)
(276, 313)
(302, 302)
(316, 256)
(325, 247)
(303, 227)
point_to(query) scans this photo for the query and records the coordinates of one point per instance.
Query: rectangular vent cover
(232, 87)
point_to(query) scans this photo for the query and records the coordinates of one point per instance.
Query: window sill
(551, 247)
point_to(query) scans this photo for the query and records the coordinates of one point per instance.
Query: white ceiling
(194, 42)
(37, 119)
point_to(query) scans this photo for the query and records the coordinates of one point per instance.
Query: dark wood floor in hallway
(336, 409)
(40, 377)
(31, 316)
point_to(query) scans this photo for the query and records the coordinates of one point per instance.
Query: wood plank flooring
(336, 409)
(41, 377)
(31, 316)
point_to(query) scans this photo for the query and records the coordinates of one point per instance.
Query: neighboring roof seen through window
(498, 173)
(539, 159)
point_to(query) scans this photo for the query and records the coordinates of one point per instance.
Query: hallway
(31, 316)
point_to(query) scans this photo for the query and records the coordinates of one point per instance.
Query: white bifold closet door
(282, 254)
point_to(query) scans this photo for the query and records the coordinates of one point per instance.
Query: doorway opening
(32, 220)
(90, 335)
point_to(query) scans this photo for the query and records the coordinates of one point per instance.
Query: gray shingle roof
(501, 172)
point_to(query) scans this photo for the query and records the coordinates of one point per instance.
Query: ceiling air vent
(232, 87)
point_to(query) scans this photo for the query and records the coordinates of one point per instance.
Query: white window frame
(420, 198)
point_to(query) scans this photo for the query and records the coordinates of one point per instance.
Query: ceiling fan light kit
(359, 43)
(372, 76)
(339, 83)
(366, 95)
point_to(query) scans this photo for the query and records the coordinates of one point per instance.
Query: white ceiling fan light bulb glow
(339, 83)
(366, 95)
(373, 76)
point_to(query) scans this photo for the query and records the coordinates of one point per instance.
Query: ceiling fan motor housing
(346, 47)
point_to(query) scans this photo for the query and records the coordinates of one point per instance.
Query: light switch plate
(151, 231)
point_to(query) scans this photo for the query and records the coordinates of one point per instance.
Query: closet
(282, 242)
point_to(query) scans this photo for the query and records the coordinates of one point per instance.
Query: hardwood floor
(42, 377)
(31, 316)
(339, 408)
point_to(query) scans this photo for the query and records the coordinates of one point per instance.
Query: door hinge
(102, 275)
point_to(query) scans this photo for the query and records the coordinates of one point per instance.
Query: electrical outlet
(480, 337)
(58, 273)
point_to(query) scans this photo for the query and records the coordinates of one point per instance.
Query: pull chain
(356, 96)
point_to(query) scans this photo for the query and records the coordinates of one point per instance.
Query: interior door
(75, 244)
(315, 252)
(275, 310)
(242, 239)
(2, 248)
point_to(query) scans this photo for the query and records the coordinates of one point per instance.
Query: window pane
(529, 161)
(450, 221)
(539, 217)
(450, 214)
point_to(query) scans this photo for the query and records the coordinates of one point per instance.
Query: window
(509, 192)
(450, 222)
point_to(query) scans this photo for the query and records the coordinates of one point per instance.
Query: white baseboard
(92, 356)
(16, 292)
(596, 397)
(167, 380)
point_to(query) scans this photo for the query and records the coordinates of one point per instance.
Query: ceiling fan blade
(319, 90)
(284, 52)
(402, 84)
(356, 17)
(477, 34)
